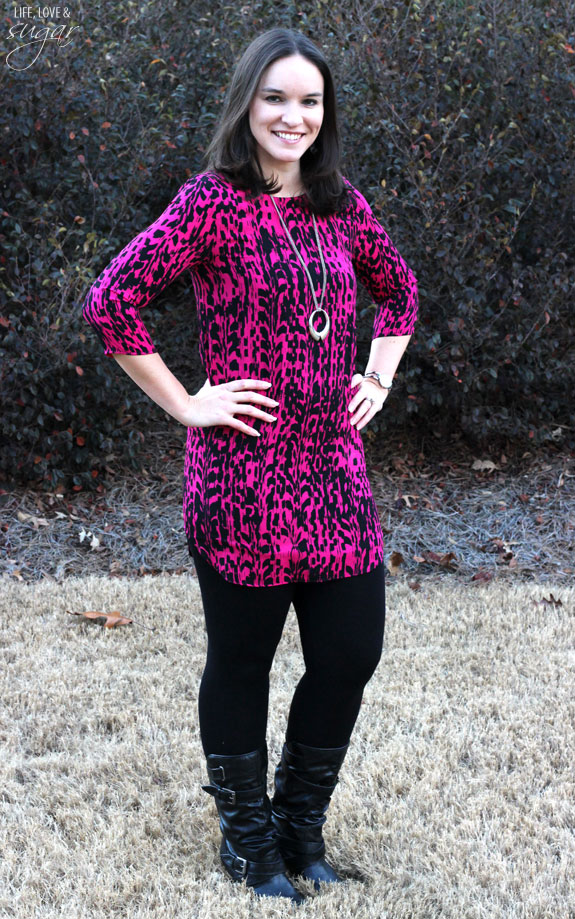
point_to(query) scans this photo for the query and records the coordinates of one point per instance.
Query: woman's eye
(272, 98)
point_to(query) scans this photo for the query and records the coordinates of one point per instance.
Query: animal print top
(294, 504)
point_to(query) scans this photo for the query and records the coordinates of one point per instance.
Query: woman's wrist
(152, 375)
(383, 380)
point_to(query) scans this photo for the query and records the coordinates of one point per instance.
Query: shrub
(457, 126)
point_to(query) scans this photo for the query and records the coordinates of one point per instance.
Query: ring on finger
(365, 400)
(361, 409)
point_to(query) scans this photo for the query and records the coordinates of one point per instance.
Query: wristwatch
(385, 380)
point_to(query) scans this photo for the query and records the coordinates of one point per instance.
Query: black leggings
(341, 624)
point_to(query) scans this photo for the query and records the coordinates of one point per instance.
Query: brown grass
(456, 799)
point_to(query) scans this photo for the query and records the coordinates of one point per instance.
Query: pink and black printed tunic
(294, 504)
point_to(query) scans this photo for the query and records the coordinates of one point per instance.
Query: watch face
(382, 379)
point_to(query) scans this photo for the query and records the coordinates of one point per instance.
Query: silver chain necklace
(318, 336)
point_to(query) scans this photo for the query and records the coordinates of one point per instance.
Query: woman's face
(286, 111)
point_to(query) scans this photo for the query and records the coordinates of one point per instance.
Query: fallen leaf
(504, 549)
(434, 558)
(482, 575)
(483, 465)
(94, 542)
(415, 585)
(396, 559)
(35, 521)
(107, 619)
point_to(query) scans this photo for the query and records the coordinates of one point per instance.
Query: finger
(358, 399)
(252, 410)
(246, 395)
(368, 392)
(366, 418)
(240, 426)
(364, 421)
(362, 411)
(247, 383)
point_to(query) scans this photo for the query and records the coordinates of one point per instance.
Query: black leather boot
(249, 848)
(304, 783)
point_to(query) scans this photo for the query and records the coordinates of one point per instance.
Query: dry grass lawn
(456, 800)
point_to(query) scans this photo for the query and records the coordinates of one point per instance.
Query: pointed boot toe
(279, 886)
(320, 872)
(259, 877)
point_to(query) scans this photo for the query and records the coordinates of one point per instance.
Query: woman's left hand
(361, 409)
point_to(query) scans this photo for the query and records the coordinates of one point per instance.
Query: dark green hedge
(458, 125)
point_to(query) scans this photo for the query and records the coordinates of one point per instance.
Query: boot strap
(231, 796)
(238, 863)
(242, 865)
(301, 780)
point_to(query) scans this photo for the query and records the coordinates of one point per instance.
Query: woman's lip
(293, 140)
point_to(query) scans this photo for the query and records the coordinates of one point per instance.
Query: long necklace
(317, 335)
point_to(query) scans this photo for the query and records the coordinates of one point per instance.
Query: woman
(277, 504)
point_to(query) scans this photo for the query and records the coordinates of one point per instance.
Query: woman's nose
(291, 116)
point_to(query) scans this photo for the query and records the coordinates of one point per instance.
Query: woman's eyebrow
(270, 89)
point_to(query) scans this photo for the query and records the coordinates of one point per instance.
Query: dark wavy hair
(232, 150)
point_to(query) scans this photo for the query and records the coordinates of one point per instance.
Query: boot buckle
(217, 774)
(238, 863)
(224, 794)
(227, 794)
(243, 865)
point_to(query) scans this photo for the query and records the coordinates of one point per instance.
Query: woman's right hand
(218, 404)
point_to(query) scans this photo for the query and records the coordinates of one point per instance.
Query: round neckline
(265, 194)
(286, 197)
(300, 200)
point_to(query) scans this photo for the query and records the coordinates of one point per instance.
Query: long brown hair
(232, 150)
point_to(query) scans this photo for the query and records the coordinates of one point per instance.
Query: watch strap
(384, 380)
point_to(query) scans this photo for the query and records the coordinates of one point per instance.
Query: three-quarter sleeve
(182, 236)
(383, 272)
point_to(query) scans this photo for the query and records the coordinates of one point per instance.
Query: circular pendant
(319, 336)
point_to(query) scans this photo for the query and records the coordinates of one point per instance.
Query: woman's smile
(285, 116)
(288, 137)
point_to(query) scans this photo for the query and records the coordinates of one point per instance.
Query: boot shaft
(231, 776)
(238, 785)
(305, 780)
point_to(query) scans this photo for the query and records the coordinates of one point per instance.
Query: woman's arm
(183, 236)
(210, 405)
(384, 273)
(392, 284)
(384, 356)
(386, 353)
(158, 382)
